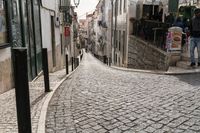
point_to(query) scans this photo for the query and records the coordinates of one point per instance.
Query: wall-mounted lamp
(76, 2)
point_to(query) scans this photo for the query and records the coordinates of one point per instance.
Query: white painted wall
(46, 23)
(46, 29)
(50, 4)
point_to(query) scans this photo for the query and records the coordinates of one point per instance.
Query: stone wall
(142, 55)
(6, 76)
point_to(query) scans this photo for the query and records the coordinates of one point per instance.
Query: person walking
(195, 37)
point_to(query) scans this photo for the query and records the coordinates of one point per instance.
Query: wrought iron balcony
(64, 8)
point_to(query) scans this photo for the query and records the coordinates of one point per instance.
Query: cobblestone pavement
(8, 117)
(99, 99)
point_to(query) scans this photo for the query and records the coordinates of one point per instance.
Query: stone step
(183, 64)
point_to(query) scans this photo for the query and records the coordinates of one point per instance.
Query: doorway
(53, 42)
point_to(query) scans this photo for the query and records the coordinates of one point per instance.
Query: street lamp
(76, 2)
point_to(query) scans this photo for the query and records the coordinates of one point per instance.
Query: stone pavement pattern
(8, 116)
(99, 99)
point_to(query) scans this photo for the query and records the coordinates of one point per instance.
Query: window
(125, 5)
(119, 40)
(120, 7)
(116, 8)
(124, 46)
(116, 45)
(3, 24)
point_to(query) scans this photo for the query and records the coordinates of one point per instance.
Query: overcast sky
(85, 6)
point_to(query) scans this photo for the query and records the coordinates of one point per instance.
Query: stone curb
(187, 72)
(42, 119)
(157, 72)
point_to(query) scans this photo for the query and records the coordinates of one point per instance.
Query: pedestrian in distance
(195, 37)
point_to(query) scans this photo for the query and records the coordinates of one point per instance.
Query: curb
(157, 72)
(138, 70)
(42, 119)
(187, 72)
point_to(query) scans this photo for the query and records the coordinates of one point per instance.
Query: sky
(84, 7)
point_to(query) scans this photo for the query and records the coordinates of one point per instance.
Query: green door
(26, 32)
(32, 47)
(37, 33)
(25, 35)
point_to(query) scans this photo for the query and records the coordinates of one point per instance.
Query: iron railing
(151, 31)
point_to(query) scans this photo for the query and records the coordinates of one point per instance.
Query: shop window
(3, 24)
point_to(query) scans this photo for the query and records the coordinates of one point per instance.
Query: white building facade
(52, 33)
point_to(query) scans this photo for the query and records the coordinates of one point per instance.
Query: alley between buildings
(100, 99)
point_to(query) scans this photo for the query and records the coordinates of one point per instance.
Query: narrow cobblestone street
(99, 99)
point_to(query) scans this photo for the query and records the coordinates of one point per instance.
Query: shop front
(25, 21)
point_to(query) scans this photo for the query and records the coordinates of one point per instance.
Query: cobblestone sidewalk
(8, 116)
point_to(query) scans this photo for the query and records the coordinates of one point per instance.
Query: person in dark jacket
(195, 37)
(179, 23)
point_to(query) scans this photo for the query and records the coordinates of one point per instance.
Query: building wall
(121, 33)
(141, 55)
(6, 72)
(107, 19)
(50, 9)
(50, 4)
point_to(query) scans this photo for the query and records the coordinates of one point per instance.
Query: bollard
(45, 69)
(72, 62)
(104, 59)
(67, 64)
(81, 56)
(110, 59)
(22, 90)
(77, 62)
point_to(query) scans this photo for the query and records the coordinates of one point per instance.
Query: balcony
(64, 8)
